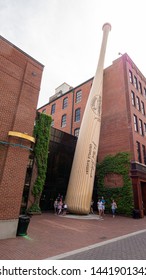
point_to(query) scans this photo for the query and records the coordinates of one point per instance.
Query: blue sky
(65, 36)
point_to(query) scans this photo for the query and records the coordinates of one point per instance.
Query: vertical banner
(80, 187)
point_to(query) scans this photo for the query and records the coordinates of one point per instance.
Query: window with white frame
(133, 98)
(138, 103)
(144, 153)
(138, 151)
(63, 121)
(77, 115)
(142, 108)
(65, 103)
(135, 123)
(141, 127)
(78, 96)
(53, 108)
(140, 87)
(135, 82)
(130, 76)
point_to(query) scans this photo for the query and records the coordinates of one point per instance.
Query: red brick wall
(117, 127)
(20, 78)
(71, 125)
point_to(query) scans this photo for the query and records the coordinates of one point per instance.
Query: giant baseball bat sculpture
(80, 187)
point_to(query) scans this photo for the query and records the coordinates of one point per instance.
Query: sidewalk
(50, 235)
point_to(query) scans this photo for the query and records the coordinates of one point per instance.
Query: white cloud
(65, 35)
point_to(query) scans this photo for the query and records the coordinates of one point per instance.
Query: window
(44, 111)
(78, 96)
(142, 108)
(63, 121)
(130, 77)
(135, 123)
(52, 123)
(77, 115)
(141, 127)
(144, 154)
(65, 103)
(76, 132)
(144, 92)
(138, 103)
(53, 109)
(140, 87)
(133, 98)
(145, 128)
(138, 151)
(135, 82)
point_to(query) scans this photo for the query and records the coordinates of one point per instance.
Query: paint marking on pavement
(64, 255)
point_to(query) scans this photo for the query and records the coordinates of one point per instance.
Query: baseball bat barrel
(81, 181)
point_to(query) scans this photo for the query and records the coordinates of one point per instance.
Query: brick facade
(123, 122)
(20, 78)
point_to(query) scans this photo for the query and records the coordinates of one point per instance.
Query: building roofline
(14, 46)
(74, 88)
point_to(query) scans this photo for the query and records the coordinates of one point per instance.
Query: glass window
(52, 123)
(135, 123)
(142, 108)
(141, 127)
(140, 87)
(130, 77)
(78, 96)
(76, 132)
(144, 92)
(133, 98)
(138, 151)
(144, 153)
(135, 82)
(77, 115)
(65, 103)
(63, 121)
(145, 128)
(138, 103)
(53, 108)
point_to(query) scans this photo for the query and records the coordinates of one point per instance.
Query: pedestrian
(103, 205)
(59, 208)
(64, 208)
(91, 207)
(55, 206)
(99, 206)
(113, 207)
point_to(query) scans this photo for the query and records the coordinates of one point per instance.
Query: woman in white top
(113, 207)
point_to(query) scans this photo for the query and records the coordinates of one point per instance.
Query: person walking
(113, 207)
(99, 206)
(103, 205)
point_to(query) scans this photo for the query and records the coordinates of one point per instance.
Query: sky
(65, 36)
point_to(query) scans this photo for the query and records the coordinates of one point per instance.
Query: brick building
(123, 125)
(20, 78)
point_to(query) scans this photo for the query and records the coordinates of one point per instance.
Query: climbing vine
(42, 135)
(123, 195)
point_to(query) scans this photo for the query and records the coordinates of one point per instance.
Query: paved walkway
(51, 236)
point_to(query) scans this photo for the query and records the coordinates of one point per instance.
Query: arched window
(65, 103)
(77, 115)
(63, 121)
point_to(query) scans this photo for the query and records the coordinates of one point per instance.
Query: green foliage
(42, 135)
(34, 208)
(123, 195)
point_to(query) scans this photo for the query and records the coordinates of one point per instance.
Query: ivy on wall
(123, 195)
(42, 135)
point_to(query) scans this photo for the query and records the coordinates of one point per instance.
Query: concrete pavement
(56, 237)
